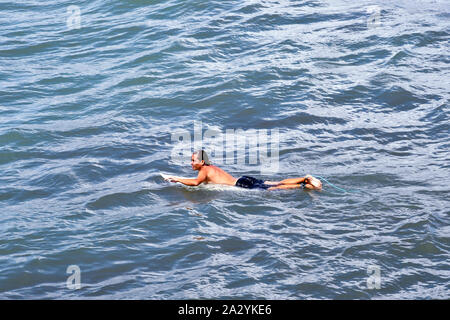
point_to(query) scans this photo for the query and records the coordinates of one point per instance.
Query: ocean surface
(92, 92)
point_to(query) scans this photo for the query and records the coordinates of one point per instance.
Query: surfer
(208, 173)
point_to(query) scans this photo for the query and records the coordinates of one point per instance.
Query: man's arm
(192, 182)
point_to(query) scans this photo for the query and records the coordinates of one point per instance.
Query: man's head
(199, 159)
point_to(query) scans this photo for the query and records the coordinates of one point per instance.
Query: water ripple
(86, 117)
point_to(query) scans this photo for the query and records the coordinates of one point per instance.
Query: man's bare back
(216, 175)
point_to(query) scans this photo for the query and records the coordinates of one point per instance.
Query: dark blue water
(91, 95)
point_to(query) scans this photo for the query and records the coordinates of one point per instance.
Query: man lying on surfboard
(208, 173)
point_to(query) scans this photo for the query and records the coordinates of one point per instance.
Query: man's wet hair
(202, 155)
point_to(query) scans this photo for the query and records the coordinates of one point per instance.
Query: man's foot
(313, 182)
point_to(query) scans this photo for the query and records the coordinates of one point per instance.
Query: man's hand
(171, 179)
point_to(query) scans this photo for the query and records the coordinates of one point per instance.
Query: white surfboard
(168, 176)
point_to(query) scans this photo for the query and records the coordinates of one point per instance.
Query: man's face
(195, 164)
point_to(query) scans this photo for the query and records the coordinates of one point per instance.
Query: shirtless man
(207, 173)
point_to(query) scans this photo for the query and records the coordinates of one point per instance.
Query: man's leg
(286, 181)
(285, 186)
(293, 180)
(293, 186)
(292, 183)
